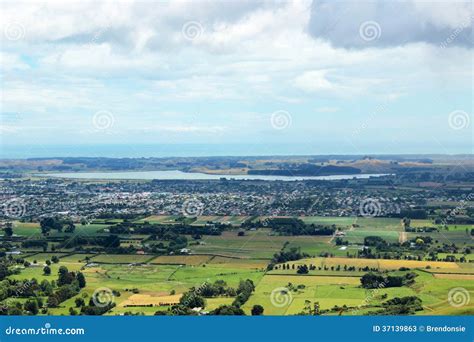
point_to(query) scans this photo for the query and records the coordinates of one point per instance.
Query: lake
(179, 175)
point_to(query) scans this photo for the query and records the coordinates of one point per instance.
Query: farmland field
(375, 263)
(181, 259)
(149, 283)
(120, 259)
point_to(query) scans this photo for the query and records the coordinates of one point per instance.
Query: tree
(372, 280)
(49, 223)
(46, 224)
(47, 270)
(3, 271)
(81, 280)
(257, 310)
(46, 287)
(64, 276)
(406, 223)
(316, 310)
(111, 241)
(55, 259)
(31, 305)
(53, 301)
(79, 302)
(228, 310)
(302, 269)
(8, 229)
(192, 300)
(70, 227)
(244, 290)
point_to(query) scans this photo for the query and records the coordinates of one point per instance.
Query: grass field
(331, 291)
(163, 219)
(458, 237)
(233, 220)
(121, 258)
(364, 223)
(255, 244)
(42, 257)
(181, 259)
(224, 262)
(33, 229)
(76, 257)
(154, 283)
(357, 236)
(202, 220)
(26, 229)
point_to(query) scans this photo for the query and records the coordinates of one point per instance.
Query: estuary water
(179, 175)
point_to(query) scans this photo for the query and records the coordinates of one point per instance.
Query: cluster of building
(78, 199)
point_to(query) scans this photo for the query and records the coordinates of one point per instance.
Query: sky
(344, 77)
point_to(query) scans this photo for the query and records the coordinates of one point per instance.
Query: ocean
(161, 150)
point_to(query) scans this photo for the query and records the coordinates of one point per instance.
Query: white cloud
(314, 81)
(186, 129)
(327, 81)
(328, 109)
(12, 62)
(130, 58)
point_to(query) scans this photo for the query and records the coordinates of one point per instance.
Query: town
(351, 246)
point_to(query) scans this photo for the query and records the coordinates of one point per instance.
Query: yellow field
(309, 280)
(160, 219)
(146, 299)
(454, 276)
(375, 263)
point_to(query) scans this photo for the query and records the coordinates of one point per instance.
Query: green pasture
(254, 244)
(121, 258)
(357, 236)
